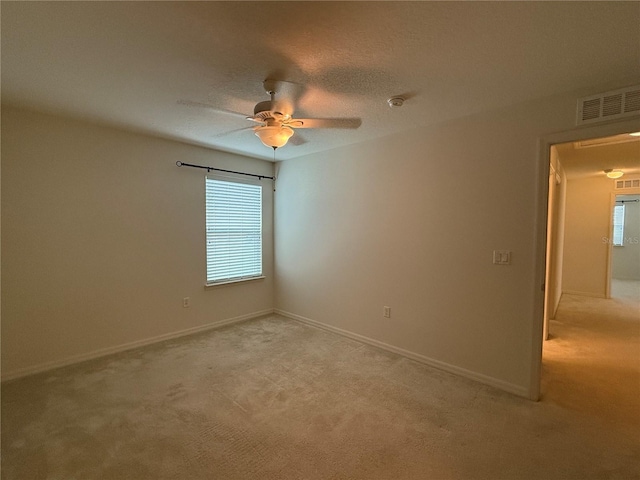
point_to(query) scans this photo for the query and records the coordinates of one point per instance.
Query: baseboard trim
(583, 294)
(103, 352)
(463, 372)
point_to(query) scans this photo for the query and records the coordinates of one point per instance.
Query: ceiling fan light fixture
(613, 173)
(274, 136)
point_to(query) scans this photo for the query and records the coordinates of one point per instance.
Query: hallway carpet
(275, 399)
(592, 360)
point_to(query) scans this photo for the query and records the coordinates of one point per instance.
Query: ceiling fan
(275, 121)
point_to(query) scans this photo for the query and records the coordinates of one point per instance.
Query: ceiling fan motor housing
(267, 109)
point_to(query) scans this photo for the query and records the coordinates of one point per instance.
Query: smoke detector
(395, 102)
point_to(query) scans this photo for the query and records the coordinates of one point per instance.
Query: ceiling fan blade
(189, 103)
(325, 123)
(217, 135)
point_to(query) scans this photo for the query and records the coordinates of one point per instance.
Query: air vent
(632, 101)
(609, 105)
(627, 183)
(612, 105)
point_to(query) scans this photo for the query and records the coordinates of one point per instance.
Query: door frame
(541, 211)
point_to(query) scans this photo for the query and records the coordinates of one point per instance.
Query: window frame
(234, 278)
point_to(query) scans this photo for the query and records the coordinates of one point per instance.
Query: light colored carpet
(592, 359)
(275, 399)
(627, 291)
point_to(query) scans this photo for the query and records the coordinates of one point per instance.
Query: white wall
(102, 237)
(410, 221)
(587, 227)
(625, 260)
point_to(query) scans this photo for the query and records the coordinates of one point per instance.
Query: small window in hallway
(618, 225)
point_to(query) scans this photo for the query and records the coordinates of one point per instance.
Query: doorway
(591, 324)
(585, 133)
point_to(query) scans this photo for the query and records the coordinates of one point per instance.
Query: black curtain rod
(208, 169)
(627, 201)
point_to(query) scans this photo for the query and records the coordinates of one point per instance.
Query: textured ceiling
(137, 65)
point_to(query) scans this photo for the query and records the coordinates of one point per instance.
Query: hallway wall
(587, 230)
(555, 235)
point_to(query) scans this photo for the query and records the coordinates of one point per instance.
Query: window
(234, 230)
(618, 225)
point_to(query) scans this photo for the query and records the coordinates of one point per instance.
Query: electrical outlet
(502, 257)
(186, 302)
(386, 311)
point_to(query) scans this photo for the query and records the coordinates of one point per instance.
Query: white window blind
(618, 225)
(234, 230)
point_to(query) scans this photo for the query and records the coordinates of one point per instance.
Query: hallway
(591, 362)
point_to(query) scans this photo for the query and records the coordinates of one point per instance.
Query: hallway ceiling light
(613, 173)
(635, 134)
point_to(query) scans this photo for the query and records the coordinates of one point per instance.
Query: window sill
(233, 282)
